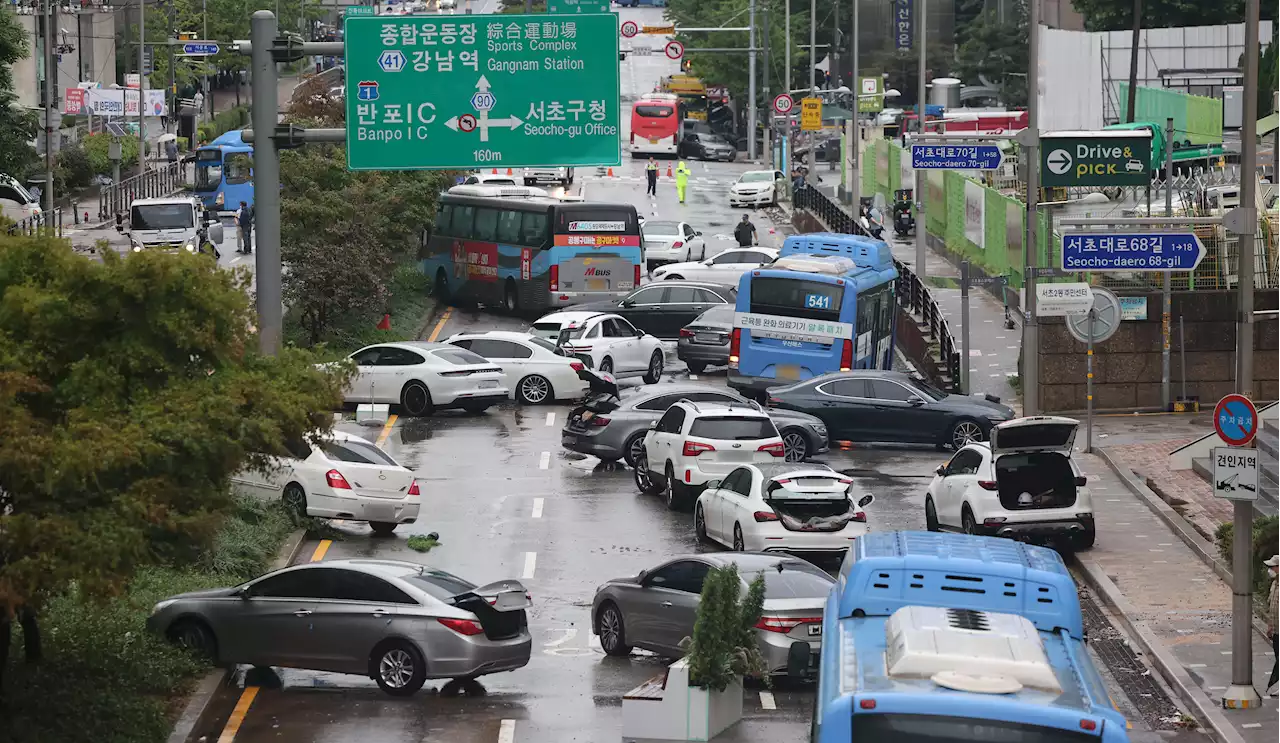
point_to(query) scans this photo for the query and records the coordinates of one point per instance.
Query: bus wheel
(442, 286)
(510, 299)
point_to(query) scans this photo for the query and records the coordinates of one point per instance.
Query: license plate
(597, 285)
(789, 371)
(652, 140)
(815, 630)
(707, 337)
(488, 384)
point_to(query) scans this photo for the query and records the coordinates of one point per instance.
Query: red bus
(655, 124)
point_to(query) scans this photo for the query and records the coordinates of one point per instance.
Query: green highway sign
(357, 10)
(578, 6)
(464, 92)
(1105, 158)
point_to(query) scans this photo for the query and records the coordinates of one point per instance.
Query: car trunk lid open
(812, 503)
(499, 607)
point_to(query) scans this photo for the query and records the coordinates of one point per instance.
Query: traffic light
(686, 65)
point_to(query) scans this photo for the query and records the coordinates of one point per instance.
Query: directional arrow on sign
(510, 121)
(482, 84)
(1059, 161)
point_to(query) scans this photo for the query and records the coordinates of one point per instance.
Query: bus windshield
(654, 111)
(908, 728)
(208, 177)
(162, 217)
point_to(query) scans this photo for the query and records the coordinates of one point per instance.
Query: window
(486, 228)
(442, 218)
(648, 295)
(815, 300)
(706, 296)
(239, 167)
(651, 111)
(755, 256)
(721, 397)
(672, 421)
(660, 402)
(305, 583)
(349, 451)
(685, 575)
(391, 356)
(533, 229)
(624, 328)
(846, 388)
(680, 295)
(942, 729)
(466, 343)
(793, 579)
(367, 357)
(461, 223)
(354, 586)
(208, 178)
(439, 584)
(612, 329)
(546, 345)
(965, 462)
(729, 256)
(596, 219)
(654, 227)
(892, 391)
(491, 348)
(689, 233)
(733, 428)
(460, 357)
(509, 227)
(738, 481)
(297, 448)
(926, 390)
(163, 217)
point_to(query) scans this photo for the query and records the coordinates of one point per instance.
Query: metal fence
(31, 226)
(163, 180)
(830, 213)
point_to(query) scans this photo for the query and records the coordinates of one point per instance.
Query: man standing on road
(682, 179)
(244, 218)
(745, 232)
(651, 172)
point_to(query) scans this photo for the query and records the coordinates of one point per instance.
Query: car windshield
(733, 428)
(548, 330)
(926, 389)
(360, 452)
(720, 314)
(661, 228)
(162, 217)
(793, 579)
(756, 176)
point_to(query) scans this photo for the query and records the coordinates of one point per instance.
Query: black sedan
(705, 341)
(707, 147)
(886, 406)
(661, 309)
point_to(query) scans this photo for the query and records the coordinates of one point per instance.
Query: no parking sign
(1236, 420)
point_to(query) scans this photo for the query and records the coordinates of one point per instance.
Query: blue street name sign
(956, 157)
(1150, 251)
(199, 49)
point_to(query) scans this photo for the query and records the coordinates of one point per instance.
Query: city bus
(224, 172)
(952, 638)
(527, 254)
(655, 124)
(826, 304)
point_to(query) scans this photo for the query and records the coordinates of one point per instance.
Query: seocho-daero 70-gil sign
(463, 92)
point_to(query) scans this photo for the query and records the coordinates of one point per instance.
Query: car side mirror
(941, 471)
(915, 402)
(639, 333)
(243, 594)
(866, 500)
(642, 577)
(713, 484)
(215, 232)
(626, 303)
(653, 426)
(697, 234)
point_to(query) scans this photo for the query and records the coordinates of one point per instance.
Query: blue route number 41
(817, 301)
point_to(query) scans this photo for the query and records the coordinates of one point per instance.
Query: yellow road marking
(386, 430)
(321, 549)
(435, 332)
(238, 715)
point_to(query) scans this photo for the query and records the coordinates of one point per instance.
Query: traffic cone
(668, 170)
(385, 324)
(509, 171)
(495, 171)
(610, 174)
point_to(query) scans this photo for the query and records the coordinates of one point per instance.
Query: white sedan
(534, 369)
(798, 509)
(756, 188)
(423, 377)
(609, 342)
(338, 477)
(671, 242)
(725, 267)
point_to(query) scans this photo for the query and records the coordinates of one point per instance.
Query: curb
(1218, 727)
(208, 686)
(429, 319)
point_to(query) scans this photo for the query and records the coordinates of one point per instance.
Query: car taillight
(637, 275)
(686, 333)
(860, 517)
(468, 627)
(1081, 481)
(336, 480)
(577, 366)
(735, 346)
(994, 521)
(413, 489)
(988, 485)
(677, 244)
(846, 356)
(784, 624)
(600, 421)
(763, 516)
(555, 278)
(776, 449)
(773, 402)
(694, 448)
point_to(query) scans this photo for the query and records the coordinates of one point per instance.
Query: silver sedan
(655, 610)
(399, 623)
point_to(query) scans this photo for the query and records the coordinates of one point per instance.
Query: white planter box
(678, 711)
(372, 413)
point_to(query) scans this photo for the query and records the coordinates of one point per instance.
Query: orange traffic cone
(610, 172)
(495, 171)
(385, 324)
(668, 170)
(509, 171)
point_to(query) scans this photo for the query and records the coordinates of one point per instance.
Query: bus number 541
(817, 301)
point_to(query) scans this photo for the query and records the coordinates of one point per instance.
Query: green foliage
(1266, 534)
(18, 125)
(100, 661)
(96, 147)
(517, 6)
(222, 122)
(997, 51)
(71, 169)
(130, 392)
(1117, 15)
(730, 69)
(420, 543)
(724, 644)
(1268, 77)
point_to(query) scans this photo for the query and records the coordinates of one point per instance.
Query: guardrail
(913, 295)
(32, 226)
(158, 181)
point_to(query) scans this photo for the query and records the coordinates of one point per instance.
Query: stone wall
(1127, 366)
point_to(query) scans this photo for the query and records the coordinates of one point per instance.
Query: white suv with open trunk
(695, 443)
(1023, 484)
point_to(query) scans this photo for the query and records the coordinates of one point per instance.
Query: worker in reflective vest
(682, 179)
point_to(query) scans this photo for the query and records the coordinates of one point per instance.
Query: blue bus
(827, 304)
(224, 172)
(952, 638)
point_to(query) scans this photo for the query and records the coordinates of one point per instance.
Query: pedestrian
(244, 222)
(651, 172)
(1273, 566)
(873, 220)
(745, 232)
(171, 150)
(682, 179)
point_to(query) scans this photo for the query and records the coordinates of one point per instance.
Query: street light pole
(142, 76)
(1031, 152)
(921, 237)
(751, 84)
(786, 80)
(50, 108)
(206, 94)
(855, 178)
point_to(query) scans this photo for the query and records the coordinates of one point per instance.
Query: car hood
(208, 593)
(602, 306)
(677, 267)
(974, 404)
(794, 416)
(755, 186)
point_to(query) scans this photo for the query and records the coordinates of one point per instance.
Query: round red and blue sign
(1236, 420)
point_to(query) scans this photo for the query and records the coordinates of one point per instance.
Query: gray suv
(611, 429)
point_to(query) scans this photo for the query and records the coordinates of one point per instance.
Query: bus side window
(461, 223)
(486, 228)
(509, 227)
(533, 230)
(239, 167)
(443, 217)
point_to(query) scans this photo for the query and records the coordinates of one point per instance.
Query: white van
(171, 224)
(534, 176)
(16, 202)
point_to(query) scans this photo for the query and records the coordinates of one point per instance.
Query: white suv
(1023, 484)
(605, 342)
(695, 443)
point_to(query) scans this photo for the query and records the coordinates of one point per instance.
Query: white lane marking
(551, 418)
(544, 461)
(569, 634)
(767, 701)
(507, 731)
(537, 507)
(693, 377)
(236, 260)
(530, 562)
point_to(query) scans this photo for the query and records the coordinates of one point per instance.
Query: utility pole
(752, 113)
(833, 62)
(1166, 316)
(173, 76)
(922, 20)
(1031, 151)
(786, 79)
(50, 106)
(855, 180)
(767, 89)
(142, 78)
(266, 182)
(206, 94)
(1241, 693)
(1133, 59)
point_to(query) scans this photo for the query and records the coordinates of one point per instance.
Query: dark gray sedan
(619, 432)
(705, 341)
(399, 623)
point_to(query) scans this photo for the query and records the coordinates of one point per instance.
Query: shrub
(72, 169)
(96, 147)
(724, 644)
(1266, 533)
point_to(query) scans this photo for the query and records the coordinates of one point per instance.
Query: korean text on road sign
(811, 114)
(1235, 418)
(1235, 473)
(1153, 251)
(956, 157)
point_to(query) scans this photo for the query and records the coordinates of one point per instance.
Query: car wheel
(383, 528)
(700, 525)
(645, 481)
(967, 522)
(930, 515)
(194, 635)
(534, 390)
(655, 368)
(606, 365)
(696, 367)
(511, 298)
(441, 290)
(797, 446)
(965, 431)
(295, 500)
(612, 634)
(672, 277)
(633, 450)
(673, 490)
(739, 544)
(415, 399)
(399, 668)
(1084, 540)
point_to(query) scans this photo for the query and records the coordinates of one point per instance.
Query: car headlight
(190, 245)
(819, 429)
(162, 606)
(135, 244)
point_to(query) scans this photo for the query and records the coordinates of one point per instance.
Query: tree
(1117, 15)
(724, 646)
(129, 394)
(1268, 77)
(18, 126)
(997, 52)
